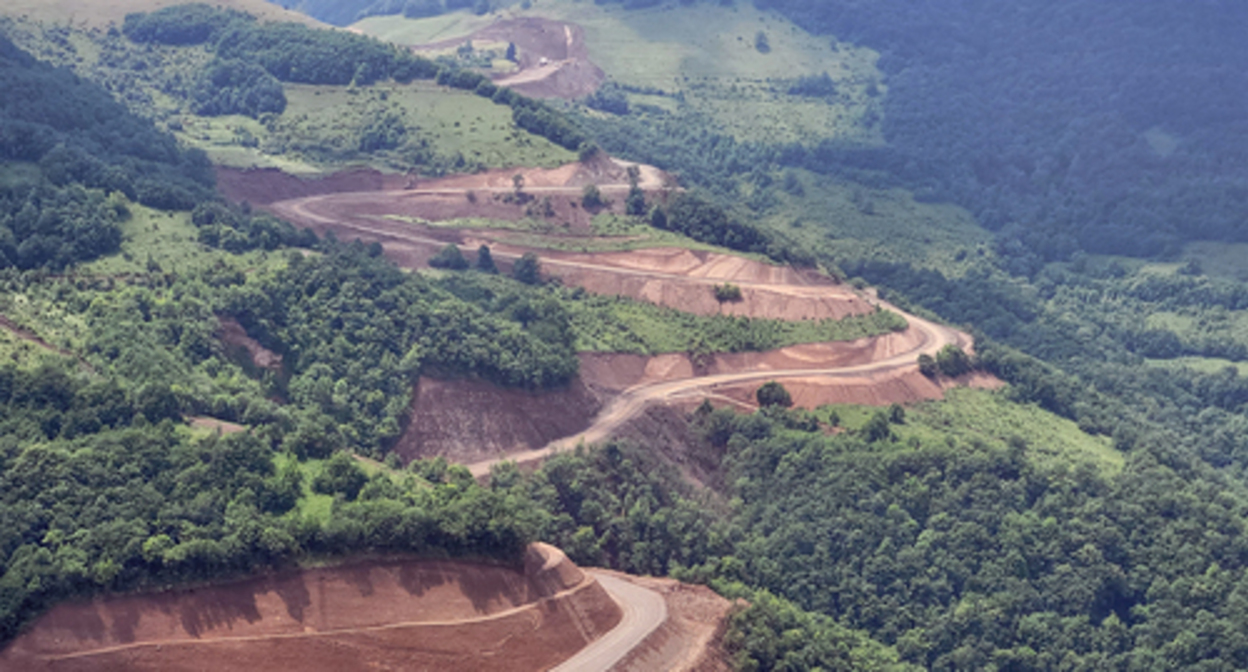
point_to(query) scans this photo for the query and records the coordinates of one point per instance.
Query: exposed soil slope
(879, 370)
(467, 421)
(395, 614)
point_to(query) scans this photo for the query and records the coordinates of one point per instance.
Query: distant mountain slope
(1067, 125)
(103, 12)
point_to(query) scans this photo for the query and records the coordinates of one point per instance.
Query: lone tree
(761, 43)
(449, 258)
(485, 261)
(635, 204)
(511, 53)
(527, 269)
(727, 292)
(591, 197)
(927, 366)
(773, 394)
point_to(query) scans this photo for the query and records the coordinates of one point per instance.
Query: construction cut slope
(397, 614)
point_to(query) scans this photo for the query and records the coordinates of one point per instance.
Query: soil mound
(468, 421)
(392, 614)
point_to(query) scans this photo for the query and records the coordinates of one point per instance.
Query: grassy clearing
(1200, 364)
(405, 31)
(39, 313)
(709, 55)
(1199, 324)
(967, 417)
(311, 506)
(604, 324)
(170, 242)
(1219, 260)
(324, 124)
(616, 233)
(850, 221)
(23, 353)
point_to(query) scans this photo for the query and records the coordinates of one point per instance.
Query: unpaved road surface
(644, 611)
(634, 401)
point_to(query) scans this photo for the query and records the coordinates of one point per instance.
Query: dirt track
(878, 370)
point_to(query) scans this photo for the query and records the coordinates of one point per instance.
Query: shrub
(449, 258)
(727, 292)
(773, 394)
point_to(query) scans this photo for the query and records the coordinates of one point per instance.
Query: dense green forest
(1057, 131)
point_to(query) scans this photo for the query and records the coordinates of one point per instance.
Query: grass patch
(972, 417)
(614, 324)
(605, 324)
(169, 242)
(405, 31)
(1219, 260)
(848, 221)
(311, 505)
(446, 128)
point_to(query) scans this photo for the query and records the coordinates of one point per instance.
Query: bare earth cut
(877, 370)
(384, 614)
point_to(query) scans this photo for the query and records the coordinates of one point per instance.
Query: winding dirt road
(359, 214)
(644, 611)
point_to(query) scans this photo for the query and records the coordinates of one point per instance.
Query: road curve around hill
(644, 611)
(337, 210)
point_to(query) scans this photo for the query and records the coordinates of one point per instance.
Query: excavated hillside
(393, 614)
(474, 423)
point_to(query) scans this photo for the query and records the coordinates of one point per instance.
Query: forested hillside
(76, 138)
(1064, 126)
(1096, 522)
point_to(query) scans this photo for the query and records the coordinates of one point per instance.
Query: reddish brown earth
(567, 73)
(246, 348)
(213, 424)
(880, 370)
(467, 421)
(380, 615)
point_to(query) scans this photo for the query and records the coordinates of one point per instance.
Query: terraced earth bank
(391, 614)
(613, 389)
